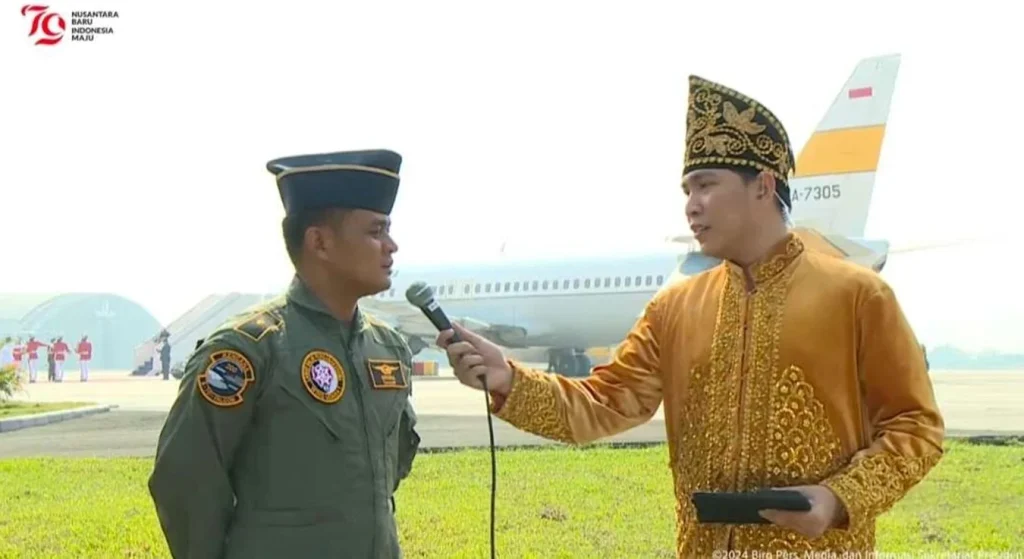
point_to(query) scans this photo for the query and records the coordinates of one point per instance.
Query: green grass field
(14, 408)
(617, 504)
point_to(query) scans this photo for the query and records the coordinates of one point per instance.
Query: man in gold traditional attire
(780, 367)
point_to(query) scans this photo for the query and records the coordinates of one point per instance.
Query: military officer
(293, 427)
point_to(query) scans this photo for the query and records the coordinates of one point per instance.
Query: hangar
(115, 325)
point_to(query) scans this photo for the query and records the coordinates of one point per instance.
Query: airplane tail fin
(835, 171)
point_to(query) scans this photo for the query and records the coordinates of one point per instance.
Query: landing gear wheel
(582, 365)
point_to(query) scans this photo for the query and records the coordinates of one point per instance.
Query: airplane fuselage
(571, 303)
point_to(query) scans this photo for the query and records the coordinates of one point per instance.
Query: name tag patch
(386, 373)
(323, 376)
(226, 378)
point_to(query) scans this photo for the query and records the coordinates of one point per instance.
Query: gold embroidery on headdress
(719, 132)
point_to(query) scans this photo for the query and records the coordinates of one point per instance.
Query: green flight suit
(288, 438)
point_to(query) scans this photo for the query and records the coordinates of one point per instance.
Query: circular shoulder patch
(226, 378)
(323, 376)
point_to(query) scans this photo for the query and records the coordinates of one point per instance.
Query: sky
(135, 163)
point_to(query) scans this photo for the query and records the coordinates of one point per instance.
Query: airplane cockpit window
(696, 262)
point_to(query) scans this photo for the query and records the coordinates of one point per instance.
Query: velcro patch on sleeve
(226, 378)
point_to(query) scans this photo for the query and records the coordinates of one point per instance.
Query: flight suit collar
(300, 294)
(778, 259)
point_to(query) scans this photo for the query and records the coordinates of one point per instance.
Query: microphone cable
(494, 461)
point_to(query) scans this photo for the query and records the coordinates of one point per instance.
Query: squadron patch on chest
(323, 376)
(386, 373)
(226, 378)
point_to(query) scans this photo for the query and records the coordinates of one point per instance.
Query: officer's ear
(319, 239)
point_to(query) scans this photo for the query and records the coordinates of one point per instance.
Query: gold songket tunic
(812, 376)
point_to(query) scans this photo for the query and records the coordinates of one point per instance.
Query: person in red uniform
(32, 348)
(60, 352)
(84, 351)
(19, 355)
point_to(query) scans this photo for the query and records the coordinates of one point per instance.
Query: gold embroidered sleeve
(617, 396)
(906, 426)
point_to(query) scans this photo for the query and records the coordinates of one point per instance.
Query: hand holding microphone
(471, 356)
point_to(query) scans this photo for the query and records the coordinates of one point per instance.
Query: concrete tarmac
(973, 402)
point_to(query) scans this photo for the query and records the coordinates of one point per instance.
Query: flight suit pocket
(303, 404)
(408, 443)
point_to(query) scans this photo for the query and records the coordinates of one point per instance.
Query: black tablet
(742, 508)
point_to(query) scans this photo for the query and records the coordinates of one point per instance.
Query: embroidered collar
(778, 258)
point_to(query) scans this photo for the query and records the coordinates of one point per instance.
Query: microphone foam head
(419, 294)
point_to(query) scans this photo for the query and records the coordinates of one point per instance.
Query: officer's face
(362, 249)
(719, 209)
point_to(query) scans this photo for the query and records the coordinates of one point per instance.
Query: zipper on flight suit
(349, 363)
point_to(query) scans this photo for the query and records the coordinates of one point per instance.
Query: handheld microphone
(421, 296)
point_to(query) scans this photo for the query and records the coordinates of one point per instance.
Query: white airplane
(569, 304)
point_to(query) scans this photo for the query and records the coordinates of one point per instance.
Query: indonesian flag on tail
(860, 92)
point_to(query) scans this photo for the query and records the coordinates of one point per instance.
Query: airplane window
(392, 292)
(638, 280)
(487, 287)
(576, 283)
(607, 282)
(466, 289)
(535, 285)
(477, 288)
(515, 286)
(660, 280)
(696, 262)
(565, 284)
(508, 286)
(554, 284)
(648, 280)
(586, 284)
(545, 284)
(618, 281)
(629, 281)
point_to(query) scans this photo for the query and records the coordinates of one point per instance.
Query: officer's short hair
(293, 227)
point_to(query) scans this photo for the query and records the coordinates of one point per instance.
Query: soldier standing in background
(51, 365)
(84, 351)
(165, 358)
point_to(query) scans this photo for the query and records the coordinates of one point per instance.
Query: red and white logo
(48, 26)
